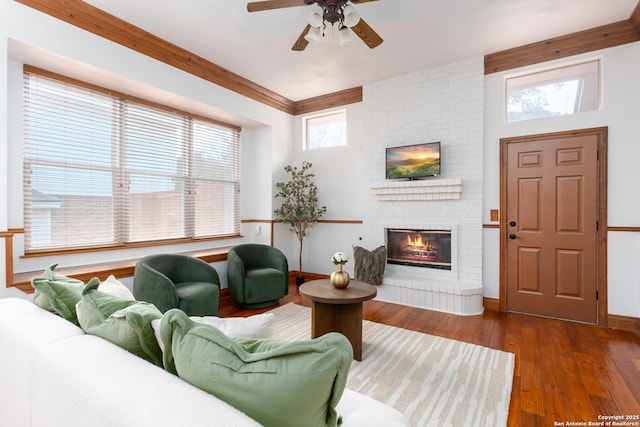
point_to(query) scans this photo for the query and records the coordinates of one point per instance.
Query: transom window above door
(558, 91)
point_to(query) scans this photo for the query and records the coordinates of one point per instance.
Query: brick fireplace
(441, 104)
(427, 265)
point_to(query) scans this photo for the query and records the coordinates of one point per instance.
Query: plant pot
(339, 278)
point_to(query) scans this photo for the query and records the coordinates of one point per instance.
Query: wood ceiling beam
(97, 21)
(635, 17)
(103, 24)
(331, 100)
(606, 36)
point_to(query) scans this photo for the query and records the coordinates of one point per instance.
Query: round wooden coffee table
(338, 310)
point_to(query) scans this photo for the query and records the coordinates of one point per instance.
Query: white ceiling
(418, 34)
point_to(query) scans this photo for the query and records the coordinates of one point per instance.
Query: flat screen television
(413, 161)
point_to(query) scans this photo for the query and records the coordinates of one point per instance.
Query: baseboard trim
(491, 304)
(307, 276)
(625, 323)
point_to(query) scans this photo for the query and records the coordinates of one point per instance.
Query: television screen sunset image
(413, 161)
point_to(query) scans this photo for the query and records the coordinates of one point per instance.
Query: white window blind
(102, 169)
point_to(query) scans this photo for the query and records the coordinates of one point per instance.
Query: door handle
(512, 223)
(512, 236)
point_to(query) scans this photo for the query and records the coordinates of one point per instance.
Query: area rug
(434, 381)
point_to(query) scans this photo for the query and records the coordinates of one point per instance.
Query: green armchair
(257, 275)
(177, 281)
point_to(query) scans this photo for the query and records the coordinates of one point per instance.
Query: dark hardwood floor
(564, 372)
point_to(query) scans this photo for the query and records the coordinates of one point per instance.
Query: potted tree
(299, 208)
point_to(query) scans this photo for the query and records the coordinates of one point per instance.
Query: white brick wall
(440, 104)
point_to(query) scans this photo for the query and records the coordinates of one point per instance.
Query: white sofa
(53, 374)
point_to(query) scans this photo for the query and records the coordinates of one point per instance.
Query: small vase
(340, 279)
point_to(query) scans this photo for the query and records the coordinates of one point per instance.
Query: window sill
(119, 269)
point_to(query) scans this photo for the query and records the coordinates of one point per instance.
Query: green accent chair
(177, 281)
(257, 275)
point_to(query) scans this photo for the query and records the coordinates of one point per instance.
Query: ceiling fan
(326, 11)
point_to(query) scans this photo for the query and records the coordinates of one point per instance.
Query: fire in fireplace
(421, 248)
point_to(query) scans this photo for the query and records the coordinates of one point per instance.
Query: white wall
(338, 177)
(28, 36)
(3, 157)
(620, 94)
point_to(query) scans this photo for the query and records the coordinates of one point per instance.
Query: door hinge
(597, 225)
(597, 296)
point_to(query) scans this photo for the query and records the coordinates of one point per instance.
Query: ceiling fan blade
(257, 6)
(366, 33)
(301, 43)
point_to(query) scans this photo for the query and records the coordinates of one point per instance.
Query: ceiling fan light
(351, 16)
(316, 17)
(313, 35)
(345, 36)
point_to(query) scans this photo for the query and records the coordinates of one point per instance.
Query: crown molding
(103, 24)
(610, 35)
(635, 16)
(331, 100)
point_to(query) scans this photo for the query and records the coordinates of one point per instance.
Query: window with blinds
(104, 170)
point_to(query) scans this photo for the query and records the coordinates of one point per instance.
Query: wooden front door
(550, 224)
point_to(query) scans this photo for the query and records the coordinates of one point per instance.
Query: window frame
(341, 113)
(119, 242)
(560, 78)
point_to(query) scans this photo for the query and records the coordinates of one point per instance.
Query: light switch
(493, 214)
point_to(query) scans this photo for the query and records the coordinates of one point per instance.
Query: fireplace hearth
(419, 248)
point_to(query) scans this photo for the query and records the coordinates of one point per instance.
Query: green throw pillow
(123, 322)
(57, 293)
(277, 383)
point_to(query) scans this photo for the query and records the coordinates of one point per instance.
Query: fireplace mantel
(418, 190)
